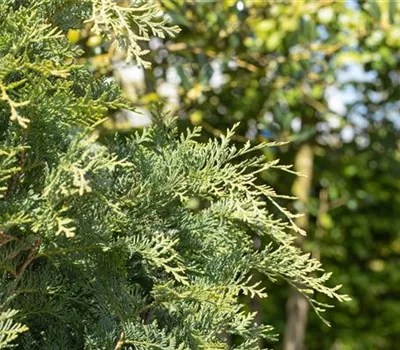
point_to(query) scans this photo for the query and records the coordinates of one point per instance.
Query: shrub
(139, 242)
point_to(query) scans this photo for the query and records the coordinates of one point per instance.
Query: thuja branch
(13, 107)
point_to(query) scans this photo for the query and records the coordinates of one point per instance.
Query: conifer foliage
(140, 242)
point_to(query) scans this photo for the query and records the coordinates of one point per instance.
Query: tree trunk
(297, 306)
(297, 312)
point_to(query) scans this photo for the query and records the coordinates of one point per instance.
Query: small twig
(21, 162)
(338, 203)
(5, 238)
(318, 106)
(29, 258)
(120, 342)
(211, 53)
(217, 133)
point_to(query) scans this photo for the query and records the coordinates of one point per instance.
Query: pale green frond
(126, 27)
(9, 329)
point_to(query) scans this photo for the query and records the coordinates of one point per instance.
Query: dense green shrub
(140, 242)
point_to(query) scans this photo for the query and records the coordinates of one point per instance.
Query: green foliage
(364, 237)
(126, 242)
(139, 242)
(272, 65)
(129, 25)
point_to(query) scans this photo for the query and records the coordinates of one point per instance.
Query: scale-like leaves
(128, 242)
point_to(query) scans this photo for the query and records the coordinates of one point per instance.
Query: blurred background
(324, 75)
